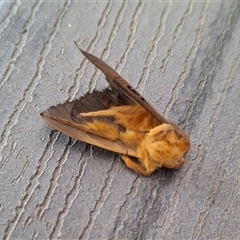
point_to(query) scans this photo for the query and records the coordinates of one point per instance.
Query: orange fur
(155, 145)
(133, 117)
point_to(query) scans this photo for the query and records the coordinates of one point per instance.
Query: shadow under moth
(119, 119)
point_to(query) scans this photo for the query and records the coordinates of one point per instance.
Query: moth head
(174, 163)
(179, 149)
(168, 146)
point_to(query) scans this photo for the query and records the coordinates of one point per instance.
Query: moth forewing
(63, 119)
(121, 85)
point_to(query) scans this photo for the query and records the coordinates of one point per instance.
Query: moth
(119, 119)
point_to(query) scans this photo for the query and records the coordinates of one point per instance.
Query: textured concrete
(183, 57)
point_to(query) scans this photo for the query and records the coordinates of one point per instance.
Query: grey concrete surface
(182, 56)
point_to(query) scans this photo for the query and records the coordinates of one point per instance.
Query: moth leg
(101, 113)
(101, 129)
(135, 166)
(161, 131)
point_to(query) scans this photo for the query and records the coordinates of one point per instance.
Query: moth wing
(119, 84)
(64, 118)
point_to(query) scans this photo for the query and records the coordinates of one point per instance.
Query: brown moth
(119, 119)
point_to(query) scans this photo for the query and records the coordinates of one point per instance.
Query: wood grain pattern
(183, 57)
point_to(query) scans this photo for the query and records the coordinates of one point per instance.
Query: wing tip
(86, 54)
(83, 52)
(45, 115)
